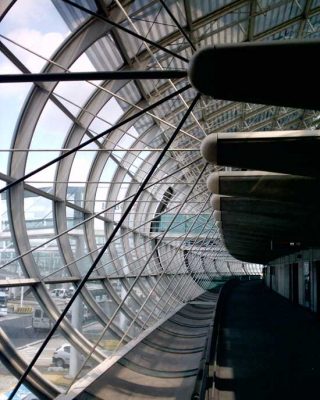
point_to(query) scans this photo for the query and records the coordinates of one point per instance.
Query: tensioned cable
(181, 29)
(115, 95)
(160, 277)
(126, 101)
(141, 309)
(108, 140)
(136, 56)
(167, 244)
(80, 146)
(140, 139)
(174, 239)
(37, 248)
(193, 137)
(178, 283)
(115, 313)
(142, 306)
(96, 261)
(95, 215)
(158, 63)
(183, 276)
(212, 248)
(120, 27)
(117, 238)
(117, 161)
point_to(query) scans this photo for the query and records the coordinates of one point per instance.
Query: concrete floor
(268, 348)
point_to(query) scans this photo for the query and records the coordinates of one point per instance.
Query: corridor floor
(268, 348)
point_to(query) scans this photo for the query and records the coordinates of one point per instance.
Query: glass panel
(47, 136)
(8, 382)
(79, 173)
(69, 94)
(109, 114)
(37, 26)
(9, 265)
(72, 16)
(104, 54)
(40, 228)
(12, 97)
(61, 362)
(77, 241)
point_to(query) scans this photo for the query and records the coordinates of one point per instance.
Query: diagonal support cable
(140, 273)
(80, 146)
(95, 215)
(99, 256)
(122, 28)
(116, 95)
(177, 24)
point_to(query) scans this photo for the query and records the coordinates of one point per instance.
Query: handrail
(206, 372)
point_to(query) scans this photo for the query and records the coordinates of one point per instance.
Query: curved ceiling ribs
(159, 258)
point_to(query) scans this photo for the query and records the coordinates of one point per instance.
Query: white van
(41, 320)
(3, 304)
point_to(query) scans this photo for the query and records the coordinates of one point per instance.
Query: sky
(36, 25)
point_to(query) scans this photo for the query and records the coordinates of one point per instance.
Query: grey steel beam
(16, 365)
(122, 28)
(92, 76)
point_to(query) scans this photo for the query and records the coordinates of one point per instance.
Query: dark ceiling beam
(128, 31)
(189, 22)
(251, 22)
(96, 75)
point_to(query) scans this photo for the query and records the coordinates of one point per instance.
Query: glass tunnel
(135, 183)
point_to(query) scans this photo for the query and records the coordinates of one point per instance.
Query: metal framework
(102, 186)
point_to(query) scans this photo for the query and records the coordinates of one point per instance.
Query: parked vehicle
(40, 319)
(3, 304)
(61, 293)
(61, 356)
(70, 291)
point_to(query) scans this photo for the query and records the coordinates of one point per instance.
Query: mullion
(159, 279)
(95, 215)
(93, 139)
(177, 24)
(132, 33)
(99, 256)
(144, 243)
(178, 271)
(155, 247)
